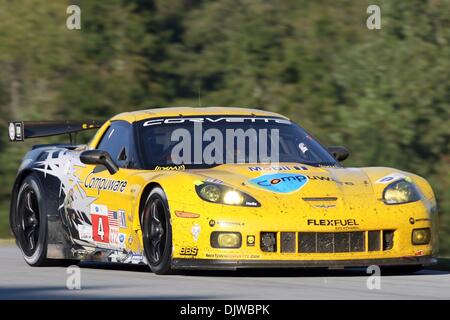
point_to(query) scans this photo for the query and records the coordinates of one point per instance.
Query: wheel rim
(28, 222)
(156, 231)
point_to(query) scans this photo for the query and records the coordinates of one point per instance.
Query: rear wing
(21, 130)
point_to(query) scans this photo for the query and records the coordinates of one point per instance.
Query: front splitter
(212, 264)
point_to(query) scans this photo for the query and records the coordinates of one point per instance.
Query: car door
(111, 207)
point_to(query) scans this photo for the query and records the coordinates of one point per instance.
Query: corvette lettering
(103, 184)
(333, 223)
(214, 120)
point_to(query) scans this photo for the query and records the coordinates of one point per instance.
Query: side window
(117, 141)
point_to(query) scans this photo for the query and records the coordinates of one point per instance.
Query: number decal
(100, 223)
(100, 231)
(100, 228)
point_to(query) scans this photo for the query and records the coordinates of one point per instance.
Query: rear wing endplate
(21, 130)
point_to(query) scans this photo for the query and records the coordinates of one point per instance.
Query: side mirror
(99, 157)
(339, 153)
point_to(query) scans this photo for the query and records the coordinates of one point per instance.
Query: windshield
(207, 141)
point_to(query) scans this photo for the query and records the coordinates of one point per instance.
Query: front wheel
(157, 232)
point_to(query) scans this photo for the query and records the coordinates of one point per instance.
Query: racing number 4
(100, 228)
(100, 231)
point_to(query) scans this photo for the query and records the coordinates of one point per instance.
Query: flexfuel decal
(281, 182)
(333, 223)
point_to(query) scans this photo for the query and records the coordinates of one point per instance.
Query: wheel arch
(144, 195)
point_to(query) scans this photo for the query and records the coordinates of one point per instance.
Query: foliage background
(385, 94)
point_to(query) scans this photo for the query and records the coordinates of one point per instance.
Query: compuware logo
(281, 182)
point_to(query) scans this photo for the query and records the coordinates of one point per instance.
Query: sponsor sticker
(341, 224)
(195, 231)
(391, 178)
(212, 180)
(281, 182)
(250, 241)
(122, 240)
(122, 218)
(170, 168)
(85, 232)
(277, 168)
(230, 223)
(189, 251)
(103, 184)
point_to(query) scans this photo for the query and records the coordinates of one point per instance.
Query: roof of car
(189, 111)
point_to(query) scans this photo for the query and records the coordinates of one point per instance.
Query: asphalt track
(112, 281)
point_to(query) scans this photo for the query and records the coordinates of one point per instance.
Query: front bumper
(212, 264)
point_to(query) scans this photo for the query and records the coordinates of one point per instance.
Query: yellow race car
(213, 188)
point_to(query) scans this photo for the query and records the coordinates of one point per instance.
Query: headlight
(226, 240)
(401, 191)
(421, 236)
(233, 197)
(210, 192)
(222, 194)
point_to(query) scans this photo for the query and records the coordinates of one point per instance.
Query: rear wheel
(157, 232)
(30, 222)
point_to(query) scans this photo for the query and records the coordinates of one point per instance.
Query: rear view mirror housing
(339, 153)
(99, 157)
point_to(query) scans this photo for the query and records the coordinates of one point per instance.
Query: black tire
(157, 232)
(30, 222)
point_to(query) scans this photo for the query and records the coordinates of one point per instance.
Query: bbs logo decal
(189, 251)
(281, 182)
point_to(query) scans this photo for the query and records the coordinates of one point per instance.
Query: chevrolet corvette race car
(213, 188)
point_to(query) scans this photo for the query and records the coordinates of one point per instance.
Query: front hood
(292, 188)
(290, 178)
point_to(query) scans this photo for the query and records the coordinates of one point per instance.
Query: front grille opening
(307, 242)
(342, 242)
(388, 239)
(327, 242)
(287, 242)
(331, 242)
(357, 242)
(374, 239)
(268, 241)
